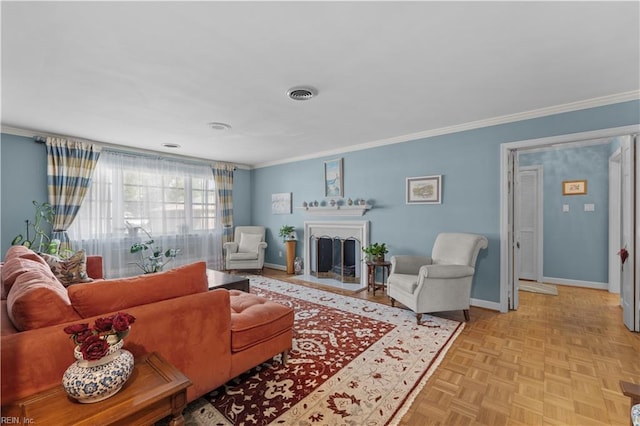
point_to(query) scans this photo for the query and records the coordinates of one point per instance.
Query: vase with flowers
(102, 367)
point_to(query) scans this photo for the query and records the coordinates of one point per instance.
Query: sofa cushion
(23, 253)
(249, 242)
(16, 266)
(255, 319)
(70, 270)
(37, 301)
(117, 294)
(243, 256)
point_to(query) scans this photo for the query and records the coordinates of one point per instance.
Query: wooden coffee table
(219, 279)
(155, 390)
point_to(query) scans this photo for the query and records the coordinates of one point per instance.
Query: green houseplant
(286, 232)
(43, 215)
(376, 251)
(151, 258)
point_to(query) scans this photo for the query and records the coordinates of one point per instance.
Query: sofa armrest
(192, 332)
(409, 265)
(446, 271)
(95, 269)
(230, 247)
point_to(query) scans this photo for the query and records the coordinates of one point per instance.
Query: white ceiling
(140, 74)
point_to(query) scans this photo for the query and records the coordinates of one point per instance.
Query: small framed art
(333, 182)
(424, 190)
(574, 187)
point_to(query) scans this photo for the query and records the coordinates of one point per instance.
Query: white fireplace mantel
(358, 229)
(358, 210)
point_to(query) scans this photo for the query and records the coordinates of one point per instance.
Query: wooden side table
(156, 389)
(371, 273)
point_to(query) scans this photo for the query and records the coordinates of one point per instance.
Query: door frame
(506, 246)
(615, 221)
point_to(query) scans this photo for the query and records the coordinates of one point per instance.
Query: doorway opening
(510, 259)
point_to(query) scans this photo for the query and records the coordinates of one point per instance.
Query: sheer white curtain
(174, 201)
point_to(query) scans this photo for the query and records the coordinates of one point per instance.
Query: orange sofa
(211, 336)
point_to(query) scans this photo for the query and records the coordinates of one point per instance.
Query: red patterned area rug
(353, 362)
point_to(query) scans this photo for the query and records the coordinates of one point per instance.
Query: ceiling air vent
(302, 93)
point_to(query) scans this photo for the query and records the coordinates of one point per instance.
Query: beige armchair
(438, 283)
(247, 249)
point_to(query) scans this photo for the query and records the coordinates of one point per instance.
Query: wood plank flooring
(557, 360)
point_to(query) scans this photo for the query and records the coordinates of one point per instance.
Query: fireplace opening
(336, 258)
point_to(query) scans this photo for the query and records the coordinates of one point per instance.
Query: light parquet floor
(557, 360)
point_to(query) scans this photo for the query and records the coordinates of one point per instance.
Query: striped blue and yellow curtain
(223, 175)
(70, 165)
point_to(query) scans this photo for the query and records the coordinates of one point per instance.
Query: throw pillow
(249, 243)
(70, 270)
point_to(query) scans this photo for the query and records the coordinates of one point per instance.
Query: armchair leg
(466, 314)
(393, 302)
(418, 318)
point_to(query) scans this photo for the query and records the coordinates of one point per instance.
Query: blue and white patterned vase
(93, 381)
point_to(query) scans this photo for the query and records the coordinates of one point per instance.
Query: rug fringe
(406, 405)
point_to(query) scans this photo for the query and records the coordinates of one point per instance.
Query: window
(130, 195)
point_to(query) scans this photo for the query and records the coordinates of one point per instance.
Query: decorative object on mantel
(287, 232)
(337, 210)
(102, 366)
(154, 262)
(376, 251)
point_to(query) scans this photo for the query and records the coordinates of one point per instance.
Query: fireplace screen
(336, 258)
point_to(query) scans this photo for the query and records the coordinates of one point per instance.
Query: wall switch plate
(589, 207)
(280, 253)
(565, 208)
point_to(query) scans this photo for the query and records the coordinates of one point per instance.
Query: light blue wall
(575, 242)
(470, 164)
(24, 179)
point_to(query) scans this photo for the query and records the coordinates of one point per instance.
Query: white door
(627, 202)
(514, 252)
(529, 222)
(615, 236)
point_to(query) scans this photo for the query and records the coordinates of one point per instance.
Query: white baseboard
(479, 303)
(576, 283)
(275, 266)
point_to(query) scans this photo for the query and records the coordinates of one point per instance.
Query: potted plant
(287, 232)
(376, 251)
(153, 262)
(289, 237)
(43, 215)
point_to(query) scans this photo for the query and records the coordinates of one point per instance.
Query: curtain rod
(147, 153)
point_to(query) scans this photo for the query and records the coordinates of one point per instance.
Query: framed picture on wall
(281, 203)
(333, 182)
(424, 190)
(574, 187)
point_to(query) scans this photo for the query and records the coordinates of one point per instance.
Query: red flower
(82, 336)
(122, 321)
(94, 348)
(76, 328)
(104, 324)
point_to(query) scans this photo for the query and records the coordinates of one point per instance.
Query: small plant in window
(151, 258)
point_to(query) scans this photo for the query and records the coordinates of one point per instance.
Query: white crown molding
(504, 119)
(27, 133)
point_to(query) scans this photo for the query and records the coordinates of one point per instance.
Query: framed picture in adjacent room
(281, 203)
(574, 187)
(424, 190)
(333, 182)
